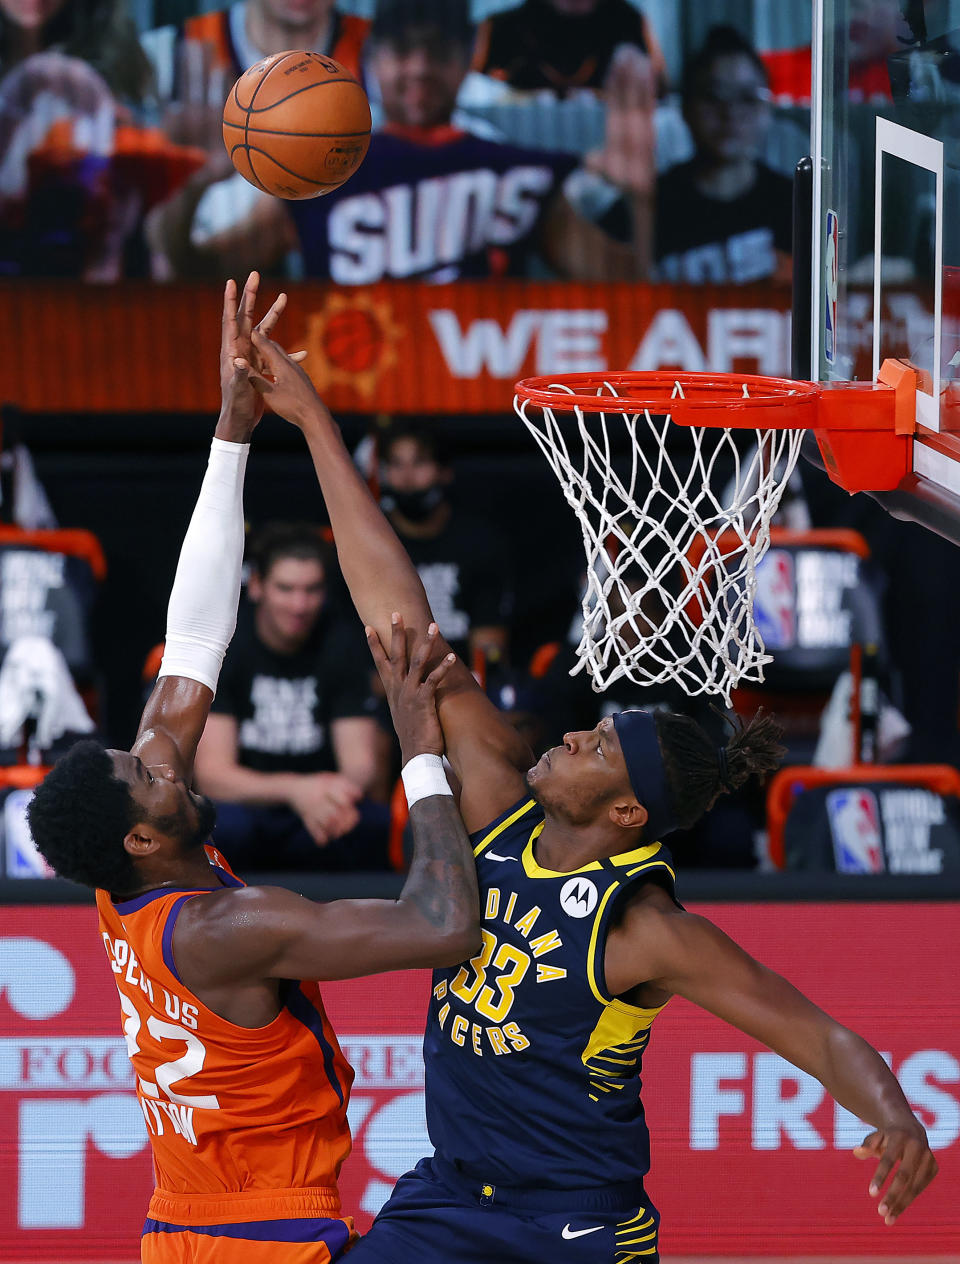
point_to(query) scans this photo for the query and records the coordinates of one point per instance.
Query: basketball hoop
(675, 479)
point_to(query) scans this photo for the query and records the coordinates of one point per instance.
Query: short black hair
(419, 433)
(79, 816)
(279, 540)
(721, 41)
(395, 20)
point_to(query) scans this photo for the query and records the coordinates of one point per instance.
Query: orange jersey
(246, 1124)
(345, 43)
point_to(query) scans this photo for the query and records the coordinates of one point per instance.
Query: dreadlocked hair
(698, 772)
(79, 815)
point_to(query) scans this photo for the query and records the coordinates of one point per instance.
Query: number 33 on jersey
(527, 1028)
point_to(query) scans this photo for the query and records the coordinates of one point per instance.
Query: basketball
(296, 125)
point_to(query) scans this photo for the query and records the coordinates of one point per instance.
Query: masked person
(463, 561)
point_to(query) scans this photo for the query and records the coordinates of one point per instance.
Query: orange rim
(715, 399)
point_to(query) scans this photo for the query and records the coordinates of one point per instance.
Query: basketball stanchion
(675, 479)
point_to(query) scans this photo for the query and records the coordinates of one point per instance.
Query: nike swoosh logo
(492, 855)
(579, 1233)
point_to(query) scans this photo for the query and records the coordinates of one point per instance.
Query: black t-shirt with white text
(467, 574)
(284, 704)
(704, 240)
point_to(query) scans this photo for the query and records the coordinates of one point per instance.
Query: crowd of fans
(112, 163)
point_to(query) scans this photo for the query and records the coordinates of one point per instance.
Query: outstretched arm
(626, 162)
(681, 953)
(203, 604)
(436, 920)
(487, 754)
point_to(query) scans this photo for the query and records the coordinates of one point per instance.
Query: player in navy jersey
(533, 1046)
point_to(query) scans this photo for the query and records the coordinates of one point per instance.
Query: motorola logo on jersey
(578, 897)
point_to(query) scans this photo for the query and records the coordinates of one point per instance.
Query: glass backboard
(886, 220)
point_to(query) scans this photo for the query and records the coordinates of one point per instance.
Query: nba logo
(832, 269)
(775, 603)
(855, 827)
(21, 858)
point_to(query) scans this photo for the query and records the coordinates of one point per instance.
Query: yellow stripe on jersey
(533, 870)
(616, 1043)
(660, 864)
(488, 838)
(636, 857)
(592, 950)
(618, 1026)
(600, 993)
(633, 1234)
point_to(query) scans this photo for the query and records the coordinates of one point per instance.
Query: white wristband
(422, 777)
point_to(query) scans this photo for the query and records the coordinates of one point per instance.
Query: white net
(674, 522)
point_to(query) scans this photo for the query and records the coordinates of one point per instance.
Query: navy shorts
(435, 1216)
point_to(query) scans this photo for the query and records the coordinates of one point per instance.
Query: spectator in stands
(434, 202)
(70, 71)
(463, 562)
(233, 39)
(724, 217)
(563, 45)
(289, 748)
(218, 220)
(876, 30)
(98, 32)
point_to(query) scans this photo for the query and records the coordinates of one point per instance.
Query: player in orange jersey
(239, 1075)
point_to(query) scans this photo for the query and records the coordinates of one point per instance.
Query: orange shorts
(284, 1226)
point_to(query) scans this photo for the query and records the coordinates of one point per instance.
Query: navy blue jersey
(532, 1067)
(454, 206)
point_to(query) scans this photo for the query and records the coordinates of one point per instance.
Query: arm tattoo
(442, 882)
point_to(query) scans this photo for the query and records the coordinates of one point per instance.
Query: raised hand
(277, 377)
(412, 689)
(628, 155)
(909, 1147)
(195, 116)
(240, 402)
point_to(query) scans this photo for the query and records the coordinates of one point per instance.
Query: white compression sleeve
(202, 613)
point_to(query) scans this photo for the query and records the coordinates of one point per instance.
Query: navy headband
(641, 753)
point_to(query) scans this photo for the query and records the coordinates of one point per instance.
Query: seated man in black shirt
(463, 561)
(290, 746)
(724, 217)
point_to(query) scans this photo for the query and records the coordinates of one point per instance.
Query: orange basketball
(296, 124)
